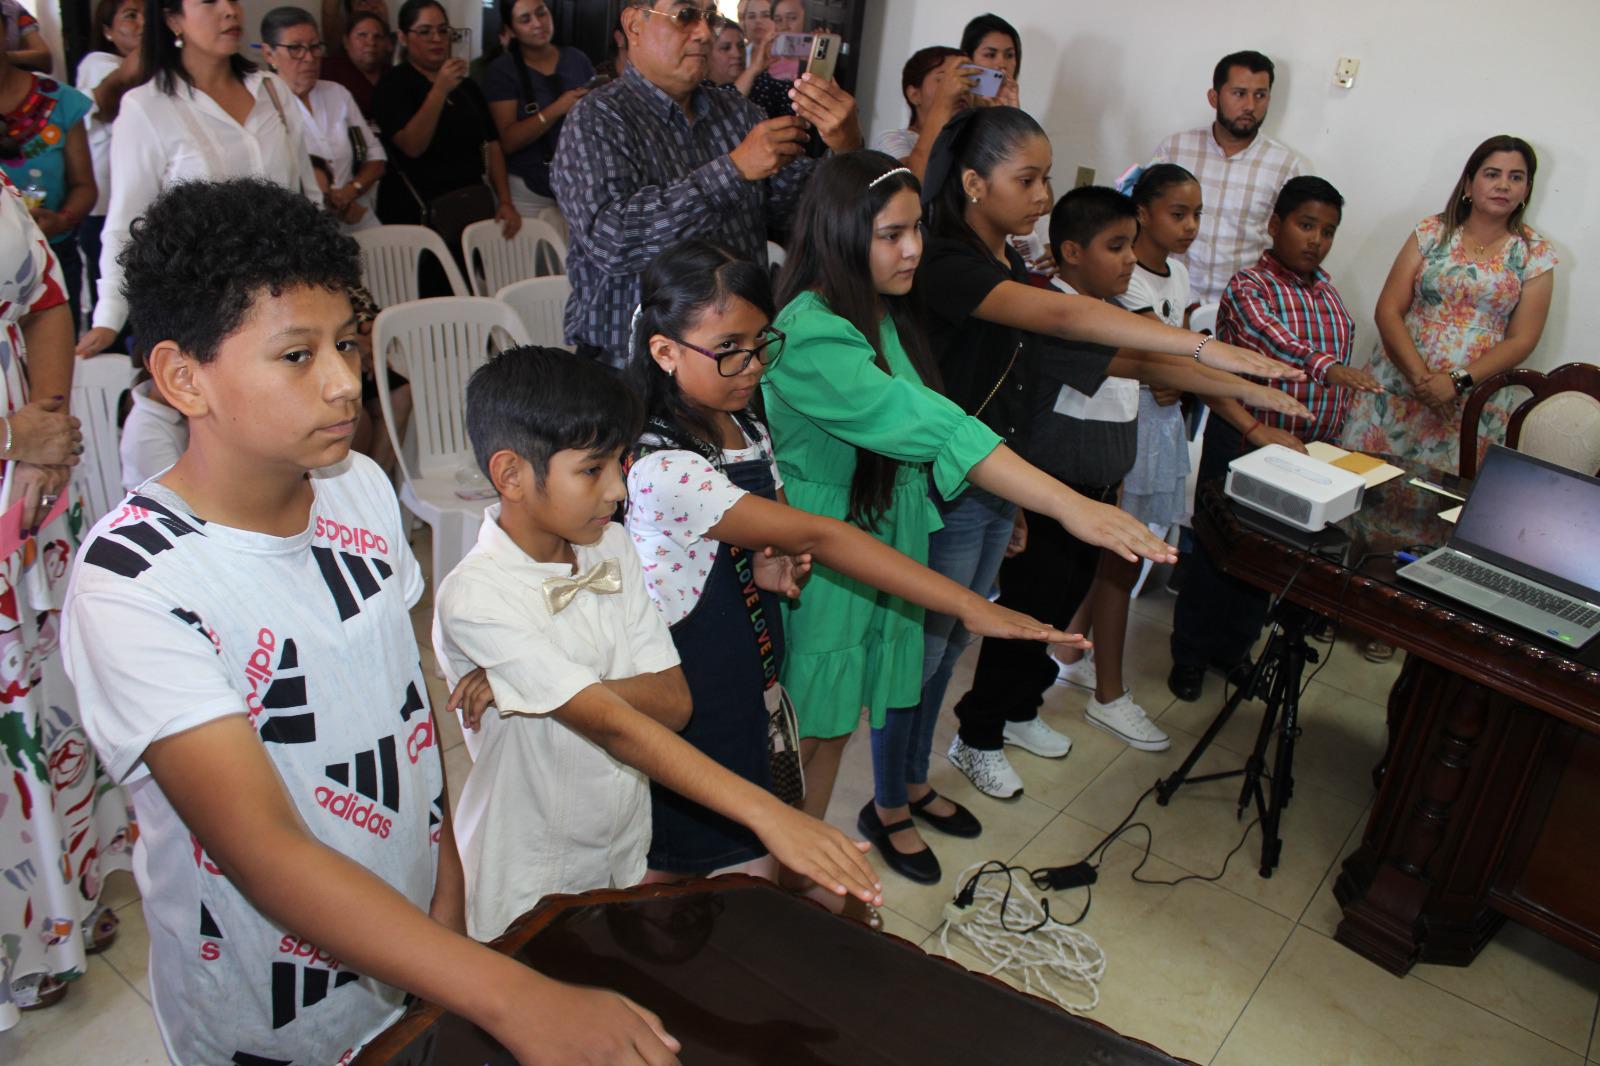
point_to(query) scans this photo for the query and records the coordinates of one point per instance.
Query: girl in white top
(205, 113)
(106, 74)
(332, 122)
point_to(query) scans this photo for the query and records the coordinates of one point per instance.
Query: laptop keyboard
(1563, 607)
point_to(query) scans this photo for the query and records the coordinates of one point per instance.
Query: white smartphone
(989, 81)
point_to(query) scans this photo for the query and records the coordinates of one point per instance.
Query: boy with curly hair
(239, 636)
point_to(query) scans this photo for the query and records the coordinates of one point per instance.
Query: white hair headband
(886, 175)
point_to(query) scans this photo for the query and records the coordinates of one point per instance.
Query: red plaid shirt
(1270, 309)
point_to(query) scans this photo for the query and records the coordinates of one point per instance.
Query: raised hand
(769, 147)
(1117, 531)
(1259, 436)
(1236, 360)
(830, 109)
(819, 851)
(987, 619)
(1267, 398)
(1348, 377)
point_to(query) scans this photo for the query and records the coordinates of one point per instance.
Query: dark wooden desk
(1489, 793)
(742, 973)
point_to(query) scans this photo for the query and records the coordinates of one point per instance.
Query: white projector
(1296, 489)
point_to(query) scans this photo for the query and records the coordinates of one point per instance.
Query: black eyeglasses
(300, 51)
(734, 361)
(686, 18)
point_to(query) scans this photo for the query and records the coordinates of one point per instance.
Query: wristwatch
(360, 188)
(1461, 380)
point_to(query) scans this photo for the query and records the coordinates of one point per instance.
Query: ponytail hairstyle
(682, 283)
(1156, 180)
(830, 254)
(1460, 206)
(977, 139)
(163, 58)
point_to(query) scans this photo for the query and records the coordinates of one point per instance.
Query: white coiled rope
(1053, 960)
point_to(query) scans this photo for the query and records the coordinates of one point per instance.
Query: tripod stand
(1276, 675)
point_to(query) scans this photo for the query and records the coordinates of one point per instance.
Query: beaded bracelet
(1203, 342)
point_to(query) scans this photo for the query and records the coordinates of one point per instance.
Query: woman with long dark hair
(106, 73)
(859, 430)
(205, 113)
(530, 90)
(706, 503)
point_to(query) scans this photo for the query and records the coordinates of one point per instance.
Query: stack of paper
(1373, 471)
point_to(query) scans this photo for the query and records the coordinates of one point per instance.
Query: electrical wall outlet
(1344, 72)
(1085, 177)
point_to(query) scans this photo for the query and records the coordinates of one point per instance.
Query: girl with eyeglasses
(721, 548)
(205, 114)
(436, 125)
(336, 135)
(530, 89)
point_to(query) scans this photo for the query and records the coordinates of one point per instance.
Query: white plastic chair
(493, 262)
(97, 388)
(391, 257)
(540, 303)
(1203, 319)
(437, 344)
(776, 257)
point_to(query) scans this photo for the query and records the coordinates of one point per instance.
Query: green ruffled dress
(848, 645)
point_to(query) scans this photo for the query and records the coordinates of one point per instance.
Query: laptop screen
(1526, 514)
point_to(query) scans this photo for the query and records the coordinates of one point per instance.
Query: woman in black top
(435, 125)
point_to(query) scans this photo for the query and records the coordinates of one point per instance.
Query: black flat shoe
(959, 823)
(919, 866)
(1186, 682)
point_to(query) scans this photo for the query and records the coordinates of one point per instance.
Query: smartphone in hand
(824, 55)
(989, 81)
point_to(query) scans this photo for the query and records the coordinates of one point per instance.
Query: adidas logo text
(349, 806)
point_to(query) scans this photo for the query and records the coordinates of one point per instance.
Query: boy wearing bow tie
(238, 634)
(552, 604)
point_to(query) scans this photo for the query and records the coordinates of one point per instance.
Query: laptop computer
(1526, 548)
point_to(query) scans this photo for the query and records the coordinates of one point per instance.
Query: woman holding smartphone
(530, 89)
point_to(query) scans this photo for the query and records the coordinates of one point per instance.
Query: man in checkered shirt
(1240, 170)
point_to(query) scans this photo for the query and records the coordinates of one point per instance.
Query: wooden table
(1489, 792)
(741, 972)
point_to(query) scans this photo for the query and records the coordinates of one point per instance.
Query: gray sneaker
(989, 771)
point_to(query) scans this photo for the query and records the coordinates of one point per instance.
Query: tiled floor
(1242, 971)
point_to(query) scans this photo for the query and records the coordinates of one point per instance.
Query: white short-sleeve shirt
(153, 437)
(674, 498)
(544, 809)
(186, 136)
(172, 623)
(1167, 295)
(328, 120)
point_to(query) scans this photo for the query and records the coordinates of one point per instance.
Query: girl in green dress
(859, 432)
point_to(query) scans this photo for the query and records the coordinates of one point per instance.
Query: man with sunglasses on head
(654, 157)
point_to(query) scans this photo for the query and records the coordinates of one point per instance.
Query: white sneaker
(1079, 674)
(1126, 721)
(989, 771)
(1033, 735)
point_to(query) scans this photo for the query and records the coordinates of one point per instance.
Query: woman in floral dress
(1467, 297)
(63, 824)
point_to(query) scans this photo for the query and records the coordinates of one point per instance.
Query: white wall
(1109, 80)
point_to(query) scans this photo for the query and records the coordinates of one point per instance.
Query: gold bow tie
(603, 577)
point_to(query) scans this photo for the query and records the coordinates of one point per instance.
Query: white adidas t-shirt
(1167, 296)
(170, 623)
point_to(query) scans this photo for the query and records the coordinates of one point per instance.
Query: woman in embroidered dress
(63, 824)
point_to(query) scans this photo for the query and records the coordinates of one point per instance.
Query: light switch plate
(1085, 177)
(1344, 73)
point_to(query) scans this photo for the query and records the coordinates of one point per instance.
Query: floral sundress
(1459, 309)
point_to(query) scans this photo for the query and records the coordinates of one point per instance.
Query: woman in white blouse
(206, 113)
(336, 134)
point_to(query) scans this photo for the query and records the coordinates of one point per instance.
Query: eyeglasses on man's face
(688, 17)
(731, 362)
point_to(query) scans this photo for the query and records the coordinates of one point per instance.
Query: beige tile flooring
(1241, 971)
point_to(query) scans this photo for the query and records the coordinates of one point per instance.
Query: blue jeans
(968, 550)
